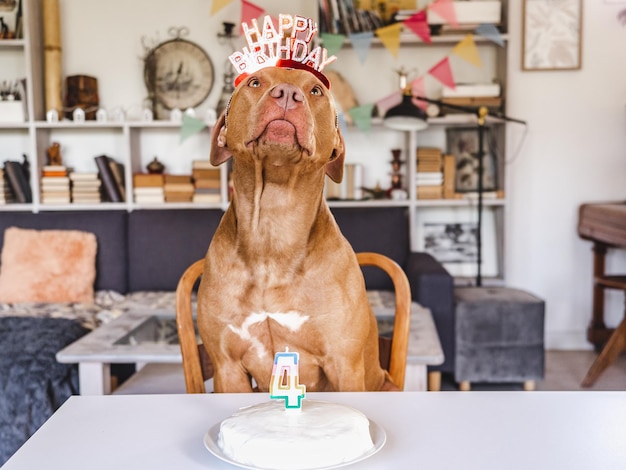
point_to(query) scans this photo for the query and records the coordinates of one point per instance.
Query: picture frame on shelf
(462, 142)
(556, 44)
(449, 234)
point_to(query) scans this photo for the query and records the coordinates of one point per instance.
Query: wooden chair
(393, 352)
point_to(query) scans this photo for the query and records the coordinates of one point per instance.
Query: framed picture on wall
(462, 142)
(552, 35)
(449, 234)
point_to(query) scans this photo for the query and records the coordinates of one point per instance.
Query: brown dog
(278, 272)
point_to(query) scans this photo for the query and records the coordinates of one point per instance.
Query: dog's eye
(254, 83)
(317, 90)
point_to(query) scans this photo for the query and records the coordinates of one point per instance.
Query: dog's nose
(287, 96)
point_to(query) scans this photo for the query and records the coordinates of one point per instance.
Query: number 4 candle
(285, 379)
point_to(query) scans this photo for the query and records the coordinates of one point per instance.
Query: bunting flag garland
(445, 9)
(418, 89)
(190, 126)
(388, 102)
(217, 5)
(390, 37)
(362, 116)
(361, 43)
(418, 23)
(466, 49)
(332, 42)
(249, 12)
(442, 72)
(490, 31)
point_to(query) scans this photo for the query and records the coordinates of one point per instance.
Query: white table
(474, 430)
(96, 351)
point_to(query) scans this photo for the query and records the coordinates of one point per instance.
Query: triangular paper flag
(419, 25)
(490, 32)
(332, 42)
(388, 102)
(361, 43)
(362, 116)
(249, 12)
(442, 72)
(445, 9)
(390, 37)
(190, 126)
(418, 89)
(217, 5)
(466, 50)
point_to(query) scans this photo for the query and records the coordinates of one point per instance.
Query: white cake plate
(379, 437)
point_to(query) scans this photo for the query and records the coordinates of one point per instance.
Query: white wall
(574, 150)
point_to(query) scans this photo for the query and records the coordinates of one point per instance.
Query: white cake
(320, 434)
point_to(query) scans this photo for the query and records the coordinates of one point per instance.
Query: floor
(564, 370)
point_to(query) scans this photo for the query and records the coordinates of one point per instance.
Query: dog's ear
(219, 151)
(334, 167)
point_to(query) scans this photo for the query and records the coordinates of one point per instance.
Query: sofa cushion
(109, 227)
(163, 243)
(383, 230)
(47, 266)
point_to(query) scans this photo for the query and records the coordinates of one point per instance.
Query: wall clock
(178, 73)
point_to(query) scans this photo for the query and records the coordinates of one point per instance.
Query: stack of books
(6, 193)
(148, 188)
(178, 188)
(206, 181)
(429, 178)
(55, 185)
(85, 188)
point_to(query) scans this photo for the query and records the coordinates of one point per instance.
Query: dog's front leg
(231, 377)
(345, 374)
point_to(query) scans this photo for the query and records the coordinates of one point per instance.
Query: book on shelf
(6, 195)
(86, 176)
(430, 192)
(112, 191)
(149, 194)
(154, 180)
(207, 183)
(118, 175)
(178, 183)
(19, 183)
(449, 177)
(203, 165)
(434, 178)
(207, 197)
(205, 173)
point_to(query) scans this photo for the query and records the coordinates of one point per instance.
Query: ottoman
(499, 336)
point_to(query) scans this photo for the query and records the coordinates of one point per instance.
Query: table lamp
(405, 116)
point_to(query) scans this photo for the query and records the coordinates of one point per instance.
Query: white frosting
(321, 434)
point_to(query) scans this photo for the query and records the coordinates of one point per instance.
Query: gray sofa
(149, 250)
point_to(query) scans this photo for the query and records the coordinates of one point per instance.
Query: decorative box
(12, 111)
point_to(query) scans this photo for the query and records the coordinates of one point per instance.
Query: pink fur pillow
(47, 266)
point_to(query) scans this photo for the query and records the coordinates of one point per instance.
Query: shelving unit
(135, 143)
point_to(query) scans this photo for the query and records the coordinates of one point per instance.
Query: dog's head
(285, 115)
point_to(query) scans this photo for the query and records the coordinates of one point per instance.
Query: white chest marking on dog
(293, 321)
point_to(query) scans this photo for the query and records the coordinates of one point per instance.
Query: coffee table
(150, 337)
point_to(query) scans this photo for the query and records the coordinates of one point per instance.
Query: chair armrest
(432, 286)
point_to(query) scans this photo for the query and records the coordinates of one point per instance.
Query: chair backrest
(197, 364)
